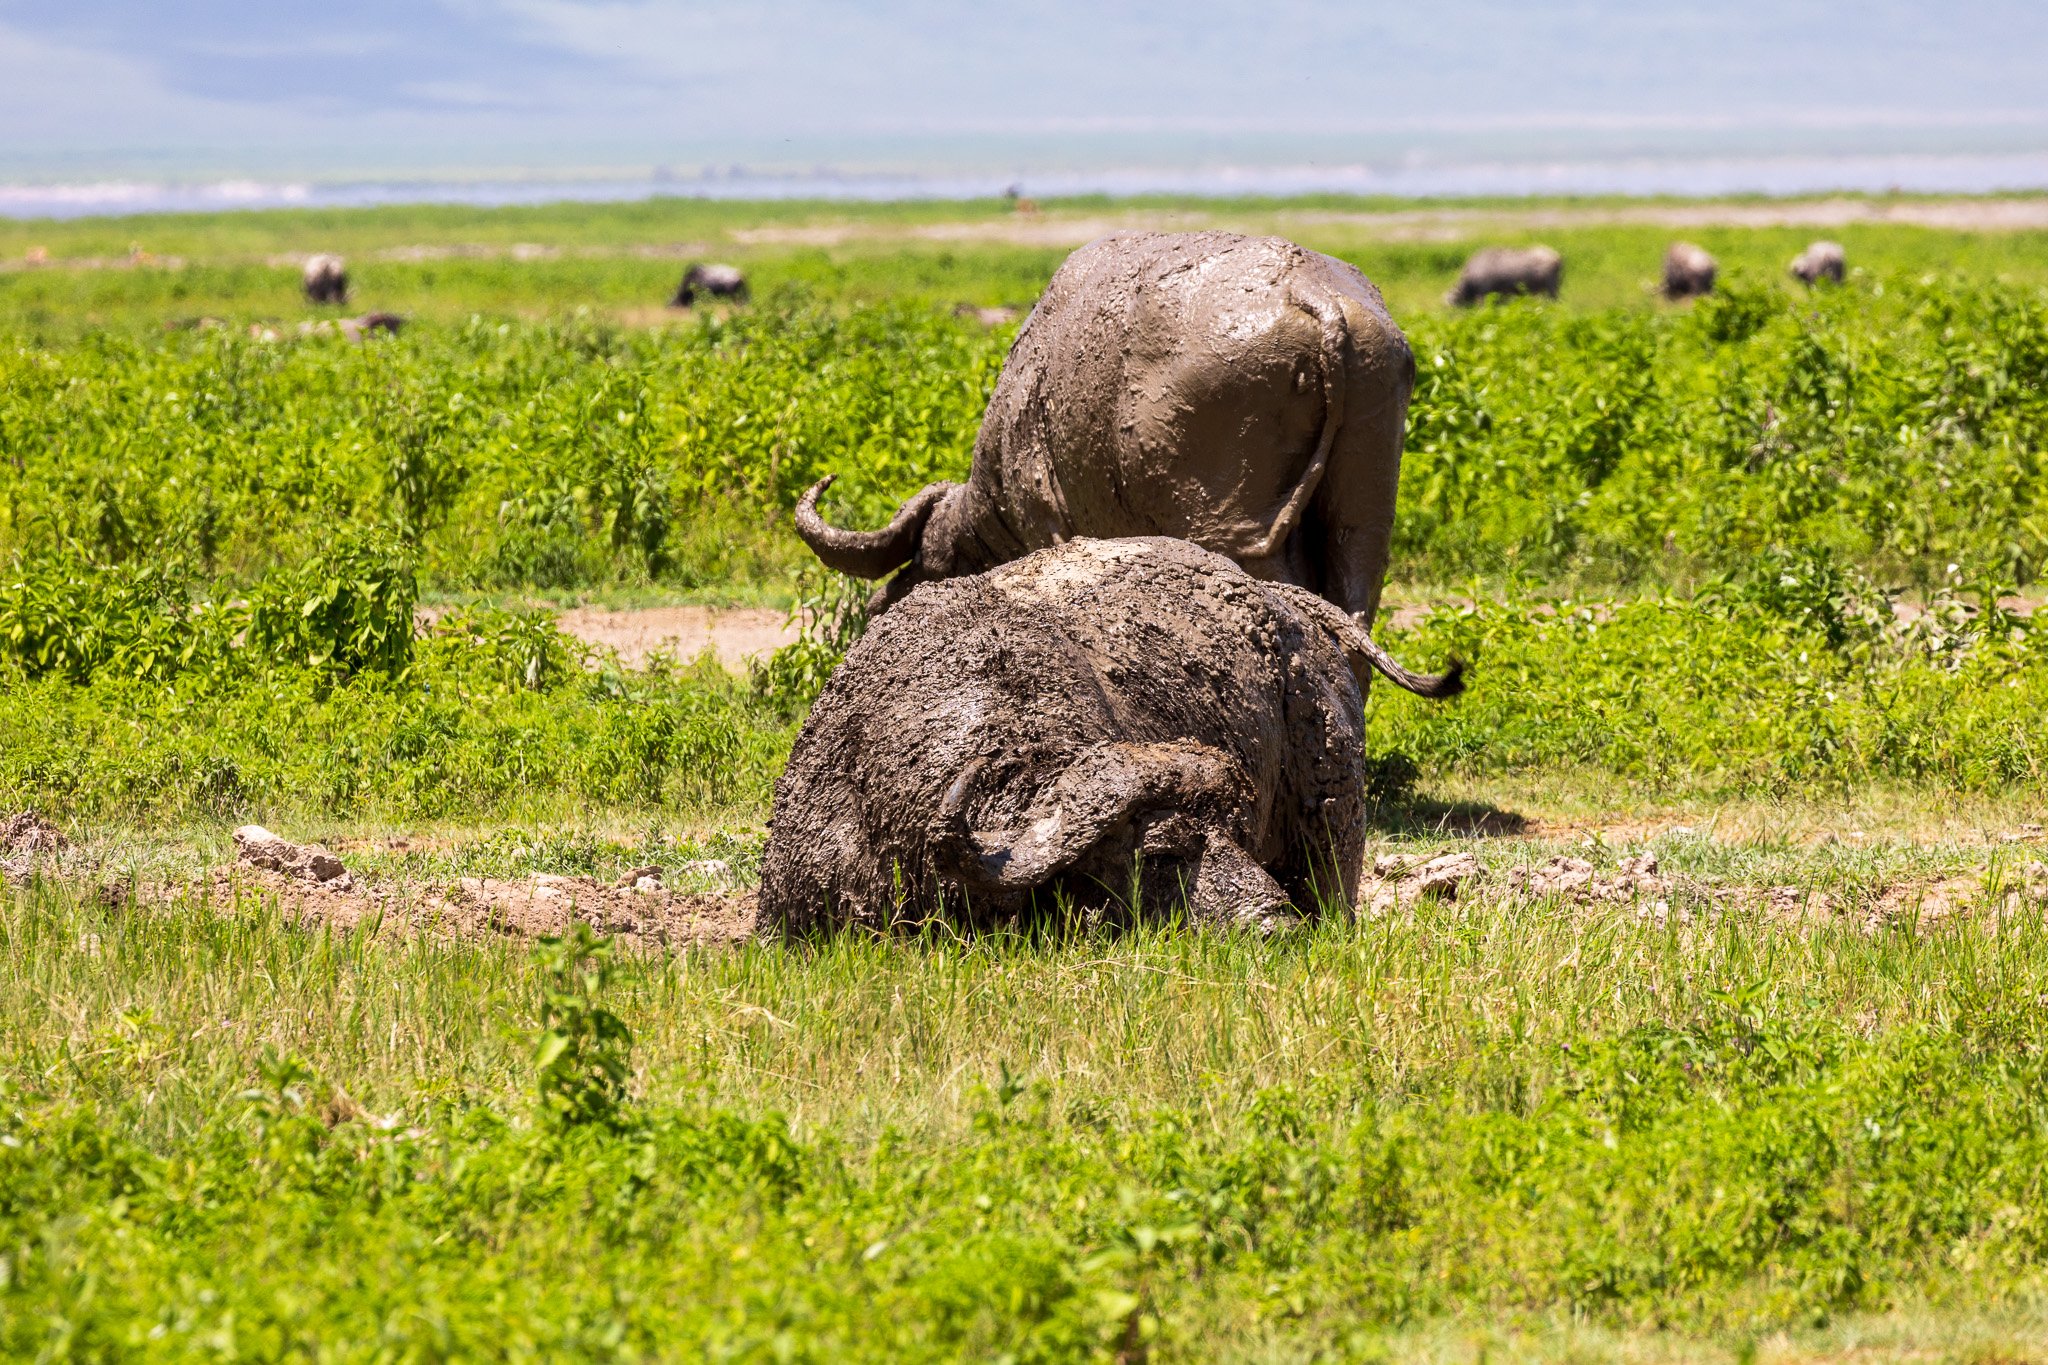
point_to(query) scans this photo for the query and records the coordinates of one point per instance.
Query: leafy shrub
(831, 614)
(582, 1055)
(61, 615)
(348, 609)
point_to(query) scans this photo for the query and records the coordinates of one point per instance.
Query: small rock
(707, 867)
(258, 847)
(1559, 877)
(1440, 878)
(1643, 864)
(1392, 865)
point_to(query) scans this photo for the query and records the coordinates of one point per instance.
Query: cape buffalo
(325, 279)
(719, 281)
(1125, 725)
(1239, 392)
(1820, 261)
(1508, 270)
(1688, 271)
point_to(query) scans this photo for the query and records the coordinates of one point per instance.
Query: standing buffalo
(1688, 271)
(1238, 392)
(1128, 725)
(325, 279)
(1508, 270)
(1820, 261)
(719, 281)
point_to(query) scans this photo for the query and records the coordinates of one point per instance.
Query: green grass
(1668, 542)
(1500, 1120)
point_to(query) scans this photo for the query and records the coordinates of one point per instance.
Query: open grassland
(1746, 585)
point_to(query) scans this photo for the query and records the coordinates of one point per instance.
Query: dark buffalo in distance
(1243, 393)
(1821, 261)
(370, 324)
(717, 281)
(1508, 271)
(1128, 726)
(325, 279)
(1688, 271)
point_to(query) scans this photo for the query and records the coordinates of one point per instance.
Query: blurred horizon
(123, 106)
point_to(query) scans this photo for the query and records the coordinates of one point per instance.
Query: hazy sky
(89, 85)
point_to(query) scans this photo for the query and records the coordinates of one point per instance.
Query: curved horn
(1104, 785)
(1362, 649)
(866, 554)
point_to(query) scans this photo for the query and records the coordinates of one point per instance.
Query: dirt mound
(1401, 882)
(1575, 879)
(26, 832)
(258, 847)
(645, 915)
(24, 836)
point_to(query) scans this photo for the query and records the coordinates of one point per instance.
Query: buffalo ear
(1094, 796)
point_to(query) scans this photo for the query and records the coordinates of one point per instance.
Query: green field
(1746, 584)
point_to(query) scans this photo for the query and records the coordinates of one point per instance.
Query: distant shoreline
(1412, 179)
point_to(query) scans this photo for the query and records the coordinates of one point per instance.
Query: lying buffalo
(1688, 271)
(1239, 392)
(1130, 725)
(1508, 270)
(718, 281)
(1820, 261)
(325, 279)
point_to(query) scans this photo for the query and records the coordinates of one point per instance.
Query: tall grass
(1197, 1145)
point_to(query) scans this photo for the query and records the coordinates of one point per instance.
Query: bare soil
(734, 635)
(489, 907)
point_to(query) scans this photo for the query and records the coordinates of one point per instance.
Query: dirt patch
(646, 918)
(734, 635)
(24, 836)
(1399, 883)
(643, 915)
(315, 889)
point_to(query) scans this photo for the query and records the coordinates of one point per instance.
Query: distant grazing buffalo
(1688, 271)
(1508, 270)
(370, 323)
(719, 281)
(325, 279)
(1821, 261)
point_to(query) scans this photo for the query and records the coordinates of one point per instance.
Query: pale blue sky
(90, 86)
